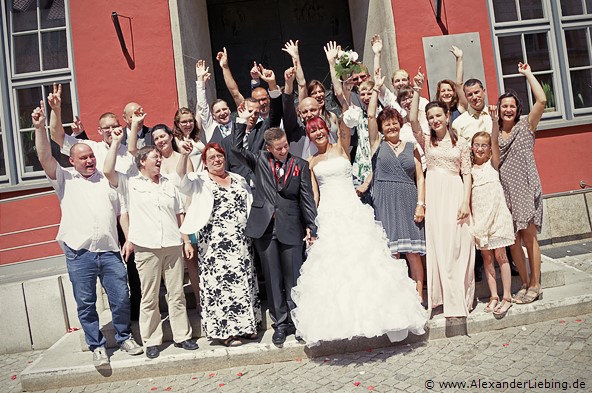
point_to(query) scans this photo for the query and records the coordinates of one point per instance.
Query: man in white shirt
(477, 117)
(88, 236)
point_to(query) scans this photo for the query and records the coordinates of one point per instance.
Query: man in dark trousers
(282, 217)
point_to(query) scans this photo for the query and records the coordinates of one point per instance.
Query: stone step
(551, 276)
(65, 364)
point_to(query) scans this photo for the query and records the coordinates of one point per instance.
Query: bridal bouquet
(347, 64)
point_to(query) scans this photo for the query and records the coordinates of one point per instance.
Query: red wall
(105, 81)
(562, 155)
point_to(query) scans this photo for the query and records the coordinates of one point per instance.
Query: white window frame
(17, 178)
(554, 25)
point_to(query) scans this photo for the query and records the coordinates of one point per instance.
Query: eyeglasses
(480, 145)
(185, 122)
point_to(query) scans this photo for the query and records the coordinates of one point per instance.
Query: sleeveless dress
(492, 221)
(520, 178)
(449, 243)
(394, 198)
(350, 285)
(228, 284)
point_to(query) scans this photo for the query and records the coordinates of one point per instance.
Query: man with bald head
(88, 237)
(308, 108)
(144, 135)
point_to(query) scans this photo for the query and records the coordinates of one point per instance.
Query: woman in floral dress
(220, 203)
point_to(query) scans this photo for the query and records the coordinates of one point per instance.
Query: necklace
(394, 146)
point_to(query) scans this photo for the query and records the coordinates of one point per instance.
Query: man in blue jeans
(88, 236)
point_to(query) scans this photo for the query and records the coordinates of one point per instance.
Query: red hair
(209, 146)
(316, 123)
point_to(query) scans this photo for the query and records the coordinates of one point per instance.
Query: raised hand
(138, 116)
(266, 75)
(524, 69)
(255, 74)
(222, 58)
(201, 70)
(419, 79)
(493, 112)
(38, 116)
(55, 98)
(77, 127)
(378, 78)
(456, 51)
(376, 42)
(291, 48)
(117, 135)
(185, 146)
(207, 77)
(289, 75)
(332, 51)
(243, 112)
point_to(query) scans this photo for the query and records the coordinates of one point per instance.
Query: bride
(350, 285)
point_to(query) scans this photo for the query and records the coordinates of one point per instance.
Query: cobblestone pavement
(544, 356)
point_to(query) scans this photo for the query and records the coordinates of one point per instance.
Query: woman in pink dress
(450, 250)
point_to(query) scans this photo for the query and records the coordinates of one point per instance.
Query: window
(36, 53)
(555, 38)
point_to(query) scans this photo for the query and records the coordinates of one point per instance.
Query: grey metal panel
(441, 64)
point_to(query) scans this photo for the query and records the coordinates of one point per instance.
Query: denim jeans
(84, 267)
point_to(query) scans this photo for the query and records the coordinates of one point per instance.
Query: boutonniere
(296, 170)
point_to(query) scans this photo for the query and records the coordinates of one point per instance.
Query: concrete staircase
(567, 292)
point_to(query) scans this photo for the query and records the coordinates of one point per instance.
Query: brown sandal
(252, 336)
(531, 295)
(517, 298)
(502, 309)
(493, 301)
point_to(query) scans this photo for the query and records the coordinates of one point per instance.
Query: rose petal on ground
(154, 388)
(221, 384)
(239, 374)
(169, 389)
(212, 375)
(356, 383)
(562, 321)
(506, 345)
(370, 387)
(578, 320)
(13, 377)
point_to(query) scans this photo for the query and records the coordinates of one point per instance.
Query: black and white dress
(228, 283)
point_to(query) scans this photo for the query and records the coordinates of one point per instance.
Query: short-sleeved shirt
(153, 209)
(90, 207)
(471, 122)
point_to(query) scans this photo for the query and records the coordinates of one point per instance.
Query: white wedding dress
(350, 285)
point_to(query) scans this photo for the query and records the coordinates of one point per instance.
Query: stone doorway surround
(191, 40)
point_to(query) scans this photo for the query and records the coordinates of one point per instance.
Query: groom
(282, 216)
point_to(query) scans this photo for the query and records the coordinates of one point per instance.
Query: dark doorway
(256, 30)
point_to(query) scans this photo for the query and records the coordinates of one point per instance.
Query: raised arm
(246, 156)
(42, 146)
(137, 123)
(414, 111)
(291, 48)
(344, 134)
(372, 109)
(376, 43)
(56, 129)
(185, 147)
(332, 51)
(255, 76)
(538, 108)
(202, 106)
(495, 149)
(231, 85)
(462, 100)
(289, 76)
(111, 157)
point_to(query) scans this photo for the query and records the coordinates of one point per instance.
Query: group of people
(326, 203)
